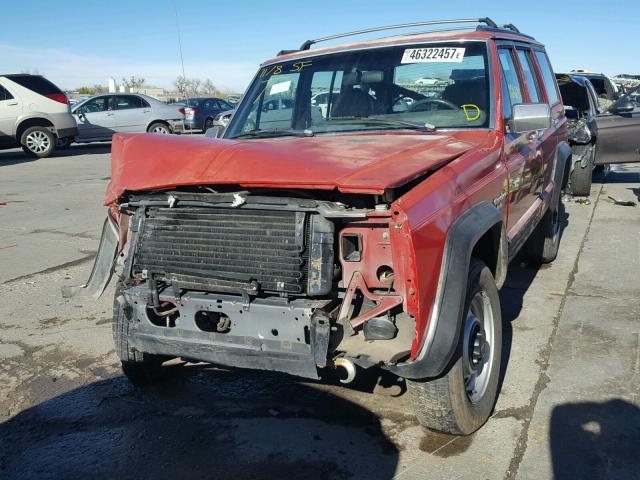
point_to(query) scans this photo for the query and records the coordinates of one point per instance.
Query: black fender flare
(445, 323)
(561, 170)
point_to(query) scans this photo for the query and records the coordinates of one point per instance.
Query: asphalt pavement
(568, 407)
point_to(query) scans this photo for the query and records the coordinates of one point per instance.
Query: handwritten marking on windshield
(472, 115)
(298, 66)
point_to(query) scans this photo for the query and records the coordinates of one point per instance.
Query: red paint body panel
(363, 163)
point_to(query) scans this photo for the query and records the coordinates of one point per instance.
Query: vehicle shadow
(618, 173)
(520, 276)
(84, 149)
(201, 422)
(595, 440)
(17, 156)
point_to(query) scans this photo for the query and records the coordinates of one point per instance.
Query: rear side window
(548, 78)
(125, 102)
(529, 75)
(35, 83)
(4, 94)
(511, 86)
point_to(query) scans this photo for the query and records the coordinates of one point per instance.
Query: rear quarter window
(4, 94)
(35, 83)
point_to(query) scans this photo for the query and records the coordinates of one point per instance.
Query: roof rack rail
(511, 26)
(486, 20)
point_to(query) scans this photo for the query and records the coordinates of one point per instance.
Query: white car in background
(100, 116)
(34, 114)
(321, 100)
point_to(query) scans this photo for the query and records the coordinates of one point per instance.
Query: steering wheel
(415, 107)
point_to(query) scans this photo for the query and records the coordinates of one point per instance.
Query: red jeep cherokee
(373, 229)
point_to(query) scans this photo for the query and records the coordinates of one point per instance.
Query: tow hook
(348, 367)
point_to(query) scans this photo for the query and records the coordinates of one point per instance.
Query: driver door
(95, 118)
(619, 131)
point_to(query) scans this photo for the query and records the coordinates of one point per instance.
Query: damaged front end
(291, 283)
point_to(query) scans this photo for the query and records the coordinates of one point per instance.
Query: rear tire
(159, 127)
(580, 181)
(139, 367)
(543, 244)
(38, 142)
(462, 400)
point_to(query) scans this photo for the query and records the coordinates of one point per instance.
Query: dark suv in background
(200, 112)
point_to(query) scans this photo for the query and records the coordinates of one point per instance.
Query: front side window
(634, 96)
(548, 78)
(100, 104)
(511, 76)
(400, 87)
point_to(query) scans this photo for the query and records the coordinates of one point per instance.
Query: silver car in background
(100, 116)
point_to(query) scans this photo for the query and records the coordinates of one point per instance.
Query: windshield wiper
(427, 127)
(268, 132)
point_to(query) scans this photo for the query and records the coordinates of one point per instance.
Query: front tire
(159, 127)
(462, 400)
(38, 142)
(139, 367)
(580, 180)
(208, 123)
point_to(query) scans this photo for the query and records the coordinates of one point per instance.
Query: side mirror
(214, 132)
(623, 106)
(530, 116)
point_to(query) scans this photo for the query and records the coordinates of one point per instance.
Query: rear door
(619, 132)
(551, 137)
(521, 149)
(131, 114)
(10, 110)
(95, 118)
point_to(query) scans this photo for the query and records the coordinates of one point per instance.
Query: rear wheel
(139, 367)
(159, 127)
(461, 401)
(38, 142)
(580, 180)
(542, 246)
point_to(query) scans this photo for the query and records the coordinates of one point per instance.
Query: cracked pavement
(568, 407)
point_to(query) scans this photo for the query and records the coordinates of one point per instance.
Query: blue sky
(78, 43)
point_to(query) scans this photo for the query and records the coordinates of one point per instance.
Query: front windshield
(444, 85)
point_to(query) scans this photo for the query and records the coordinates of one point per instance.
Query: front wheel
(159, 127)
(38, 142)
(139, 367)
(208, 123)
(461, 401)
(581, 176)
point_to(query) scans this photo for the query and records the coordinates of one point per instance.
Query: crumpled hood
(352, 163)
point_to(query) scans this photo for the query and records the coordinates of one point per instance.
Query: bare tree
(208, 88)
(182, 85)
(133, 83)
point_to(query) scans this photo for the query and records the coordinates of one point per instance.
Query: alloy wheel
(38, 142)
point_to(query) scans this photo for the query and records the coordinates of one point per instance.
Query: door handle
(12, 104)
(109, 114)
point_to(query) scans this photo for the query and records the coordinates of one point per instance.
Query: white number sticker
(433, 54)
(280, 87)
